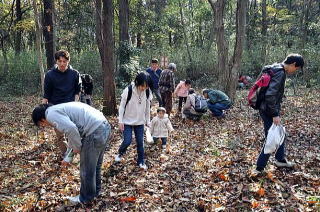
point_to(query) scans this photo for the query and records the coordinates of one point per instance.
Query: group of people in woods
(88, 132)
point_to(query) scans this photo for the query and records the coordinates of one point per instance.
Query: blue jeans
(127, 139)
(91, 157)
(156, 92)
(217, 108)
(163, 139)
(263, 158)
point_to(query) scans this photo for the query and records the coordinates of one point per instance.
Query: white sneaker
(286, 164)
(143, 166)
(74, 200)
(164, 148)
(118, 158)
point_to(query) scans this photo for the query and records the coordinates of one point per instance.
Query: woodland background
(207, 166)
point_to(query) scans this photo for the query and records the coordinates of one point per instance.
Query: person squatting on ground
(88, 132)
(161, 127)
(134, 113)
(181, 92)
(188, 110)
(61, 84)
(154, 71)
(166, 84)
(87, 87)
(271, 105)
(217, 102)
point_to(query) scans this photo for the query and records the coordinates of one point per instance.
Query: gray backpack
(201, 105)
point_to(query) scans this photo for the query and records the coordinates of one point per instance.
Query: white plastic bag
(148, 136)
(275, 138)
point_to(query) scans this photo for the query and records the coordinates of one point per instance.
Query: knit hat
(161, 109)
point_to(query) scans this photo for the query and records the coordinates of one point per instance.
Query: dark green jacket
(216, 96)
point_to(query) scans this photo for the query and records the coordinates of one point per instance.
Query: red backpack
(258, 90)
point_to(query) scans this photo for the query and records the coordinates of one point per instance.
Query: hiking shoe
(74, 200)
(143, 166)
(118, 158)
(284, 163)
(68, 156)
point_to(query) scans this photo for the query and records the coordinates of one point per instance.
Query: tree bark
(235, 62)
(104, 20)
(19, 31)
(218, 8)
(48, 31)
(264, 29)
(38, 43)
(124, 20)
(228, 72)
(190, 69)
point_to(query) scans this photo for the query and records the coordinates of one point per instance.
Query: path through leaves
(206, 167)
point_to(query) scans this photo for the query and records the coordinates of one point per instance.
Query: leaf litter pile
(206, 166)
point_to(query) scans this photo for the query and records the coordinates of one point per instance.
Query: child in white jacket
(161, 127)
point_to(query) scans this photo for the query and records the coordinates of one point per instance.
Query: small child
(181, 91)
(161, 127)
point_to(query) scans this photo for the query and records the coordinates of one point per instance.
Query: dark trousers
(181, 100)
(167, 101)
(156, 92)
(263, 158)
(127, 139)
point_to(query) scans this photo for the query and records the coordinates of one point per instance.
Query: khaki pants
(60, 141)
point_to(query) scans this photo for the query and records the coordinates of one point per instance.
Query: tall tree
(264, 29)
(228, 71)
(104, 34)
(124, 20)
(189, 69)
(48, 31)
(18, 33)
(38, 42)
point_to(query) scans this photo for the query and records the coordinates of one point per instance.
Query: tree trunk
(48, 31)
(104, 30)
(218, 8)
(140, 16)
(235, 62)
(228, 73)
(124, 20)
(190, 69)
(38, 43)
(18, 30)
(264, 26)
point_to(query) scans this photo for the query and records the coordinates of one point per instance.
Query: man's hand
(121, 127)
(44, 101)
(276, 120)
(65, 164)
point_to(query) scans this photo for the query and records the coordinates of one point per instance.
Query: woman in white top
(134, 113)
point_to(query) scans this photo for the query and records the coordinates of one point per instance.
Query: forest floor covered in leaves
(206, 167)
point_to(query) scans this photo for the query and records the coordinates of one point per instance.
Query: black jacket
(61, 87)
(271, 104)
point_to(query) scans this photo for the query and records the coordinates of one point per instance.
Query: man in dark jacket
(271, 105)
(61, 84)
(154, 71)
(217, 102)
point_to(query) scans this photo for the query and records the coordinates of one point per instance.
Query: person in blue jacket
(154, 71)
